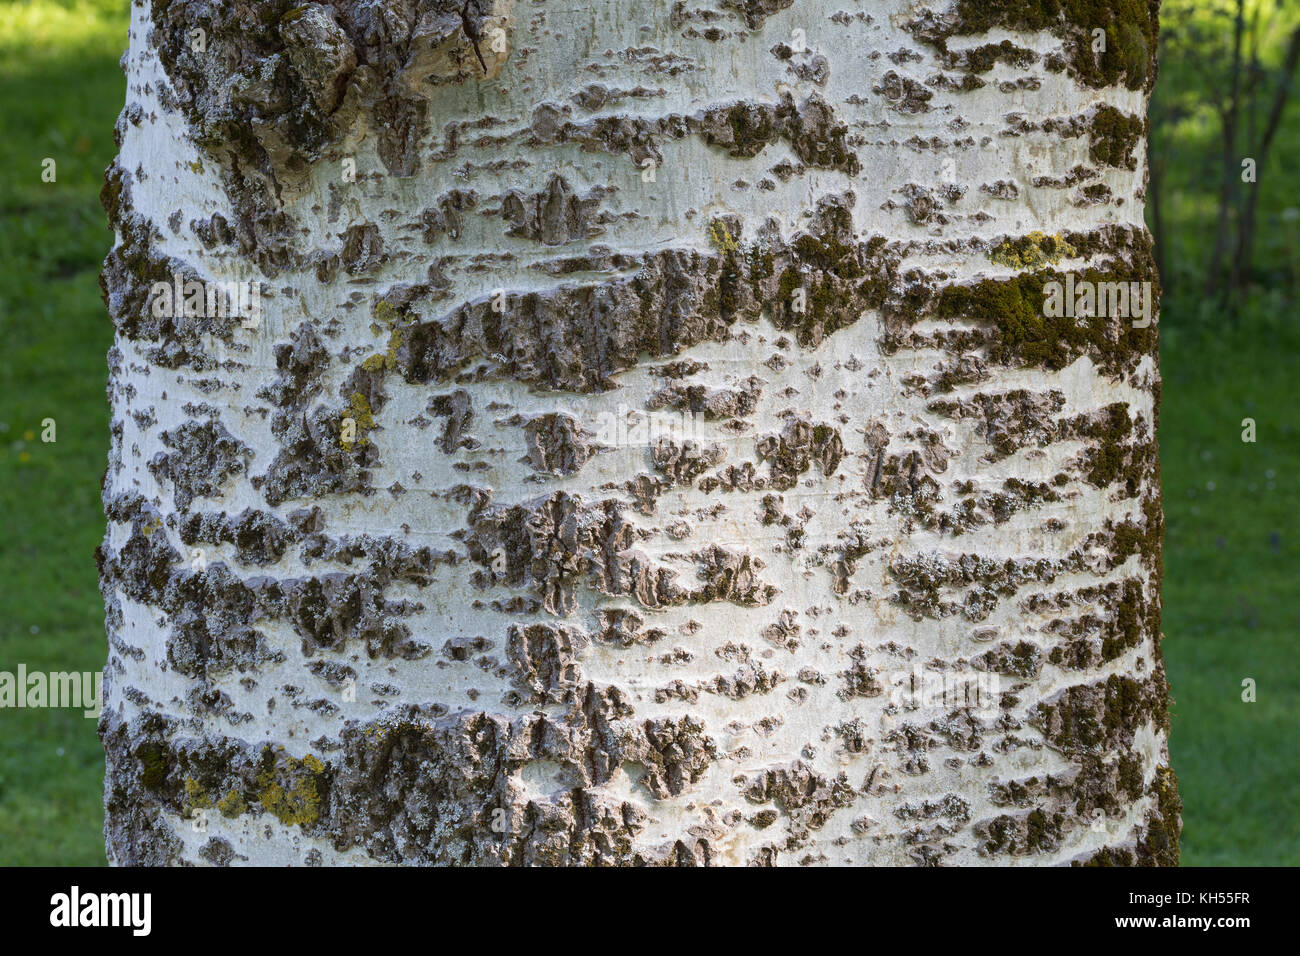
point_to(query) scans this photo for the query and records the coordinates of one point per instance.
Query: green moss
(981, 59)
(1126, 631)
(1110, 856)
(1035, 828)
(1159, 846)
(762, 263)
(1037, 831)
(1092, 718)
(1146, 539)
(1097, 193)
(729, 303)
(1015, 308)
(156, 759)
(752, 128)
(827, 252)
(1124, 704)
(1107, 459)
(822, 300)
(110, 196)
(1161, 841)
(1129, 27)
(1114, 135)
(790, 281)
(1130, 776)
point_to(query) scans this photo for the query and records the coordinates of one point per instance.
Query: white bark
(584, 624)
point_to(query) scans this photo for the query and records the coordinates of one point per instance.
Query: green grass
(60, 93)
(1230, 571)
(1230, 554)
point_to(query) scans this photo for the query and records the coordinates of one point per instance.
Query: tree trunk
(1229, 120)
(1155, 193)
(659, 451)
(1243, 259)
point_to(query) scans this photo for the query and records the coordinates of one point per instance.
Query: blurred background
(1229, 253)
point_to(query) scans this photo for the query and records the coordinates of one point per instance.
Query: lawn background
(1230, 551)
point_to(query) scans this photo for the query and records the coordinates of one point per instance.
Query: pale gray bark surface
(657, 451)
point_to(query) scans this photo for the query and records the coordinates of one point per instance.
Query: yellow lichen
(196, 798)
(232, 804)
(363, 420)
(387, 313)
(385, 361)
(721, 238)
(300, 801)
(1032, 251)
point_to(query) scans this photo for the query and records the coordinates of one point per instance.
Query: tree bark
(659, 451)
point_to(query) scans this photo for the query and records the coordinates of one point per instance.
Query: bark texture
(646, 455)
